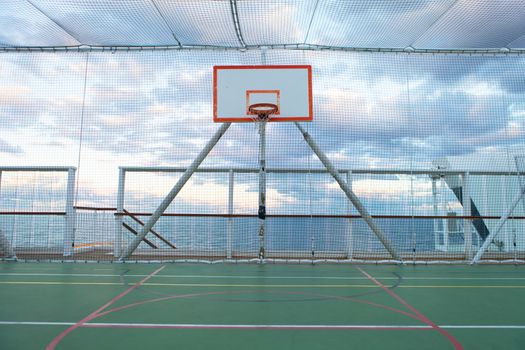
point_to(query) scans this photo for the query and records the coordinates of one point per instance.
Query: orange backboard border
(217, 119)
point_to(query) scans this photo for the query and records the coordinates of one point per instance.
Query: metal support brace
(498, 227)
(349, 193)
(174, 191)
(69, 236)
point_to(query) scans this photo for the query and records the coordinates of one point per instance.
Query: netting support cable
(509, 44)
(166, 22)
(423, 32)
(81, 131)
(498, 227)
(236, 22)
(505, 51)
(52, 20)
(349, 193)
(174, 191)
(415, 123)
(311, 22)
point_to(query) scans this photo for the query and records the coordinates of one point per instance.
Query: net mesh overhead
(421, 24)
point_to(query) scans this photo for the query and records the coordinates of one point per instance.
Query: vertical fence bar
(349, 233)
(229, 242)
(6, 249)
(467, 211)
(119, 218)
(435, 222)
(69, 236)
(443, 212)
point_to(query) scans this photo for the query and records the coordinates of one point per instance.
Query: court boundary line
(226, 285)
(261, 277)
(253, 326)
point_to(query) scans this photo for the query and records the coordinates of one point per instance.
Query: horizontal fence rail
(82, 233)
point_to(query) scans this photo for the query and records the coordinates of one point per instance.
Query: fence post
(349, 233)
(435, 222)
(467, 211)
(69, 236)
(229, 243)
(119, 219)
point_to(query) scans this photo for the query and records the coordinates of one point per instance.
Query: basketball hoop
(263, 110)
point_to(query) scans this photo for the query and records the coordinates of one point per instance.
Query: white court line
(266, 277)
(253, 326)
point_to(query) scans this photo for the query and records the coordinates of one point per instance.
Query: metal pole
(174, 191)
(119, 219)
(498, 227)
(262, 187)
(69, 236)
(443, 212)
(229, 240)
(349, 232)
(435, 212)
(349, 193)
(467, 211)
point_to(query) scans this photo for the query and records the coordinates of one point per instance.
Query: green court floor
(221, 306)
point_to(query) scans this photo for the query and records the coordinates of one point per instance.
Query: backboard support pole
(349, 193)
(174, 191)
(262, 187)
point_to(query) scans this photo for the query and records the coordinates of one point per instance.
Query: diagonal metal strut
(349, 193)
(174, 191)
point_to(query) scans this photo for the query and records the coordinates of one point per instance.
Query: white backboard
(235, 88)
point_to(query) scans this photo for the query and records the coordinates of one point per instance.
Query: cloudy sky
(101, 110)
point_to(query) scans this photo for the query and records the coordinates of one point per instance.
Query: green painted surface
(261, 295)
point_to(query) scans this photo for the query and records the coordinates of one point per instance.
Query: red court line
(422, 317)
(95, 313)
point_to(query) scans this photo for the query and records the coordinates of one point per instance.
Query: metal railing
(114, 235)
